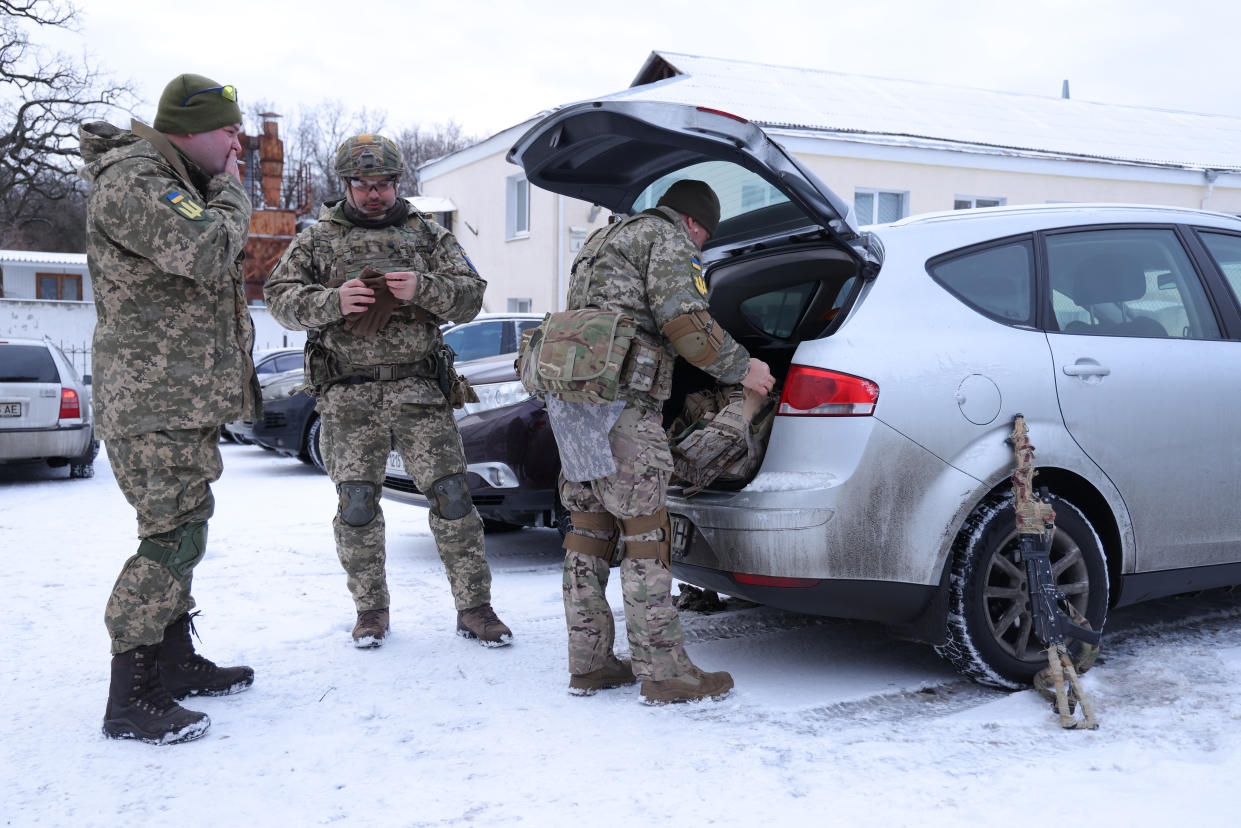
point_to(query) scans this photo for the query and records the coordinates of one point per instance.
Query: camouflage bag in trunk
(720, 437)
(577, 355)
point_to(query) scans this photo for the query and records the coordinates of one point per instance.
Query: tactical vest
(719, 439)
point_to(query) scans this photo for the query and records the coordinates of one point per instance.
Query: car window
(481, 339)
(744, 196)
(998, 280)
(776, 313)
(1226, 250)
(287, 362)
(27, 363)
(526, 325)
(1127, 282)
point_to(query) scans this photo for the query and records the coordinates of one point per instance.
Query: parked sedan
(45, 411)
(267, 364)
(906, 351)
(511, 456)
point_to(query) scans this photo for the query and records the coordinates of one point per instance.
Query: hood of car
(622, 155)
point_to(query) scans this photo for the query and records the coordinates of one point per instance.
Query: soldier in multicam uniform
(646, 267)
(371, 360)
(167, 220)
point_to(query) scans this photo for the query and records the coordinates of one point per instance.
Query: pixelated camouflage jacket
(449, 289)
(650, 269)
(173, 338)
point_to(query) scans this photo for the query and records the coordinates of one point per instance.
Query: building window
(970, 202)
(517, 197)
(66, 286)
(519, 305)
(444, 220)
(879, 206)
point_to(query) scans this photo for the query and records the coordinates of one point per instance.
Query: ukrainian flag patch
(467, 259)
(700, 284)
(186, 206)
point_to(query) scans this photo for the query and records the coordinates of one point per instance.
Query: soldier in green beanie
(167, 220)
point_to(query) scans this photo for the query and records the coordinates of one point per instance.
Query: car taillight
(815, 392)
(70, 408)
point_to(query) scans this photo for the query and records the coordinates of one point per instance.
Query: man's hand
(759, 377)
(355, 296)
(231, 167)
(402, 284)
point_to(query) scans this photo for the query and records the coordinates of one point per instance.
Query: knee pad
(179, 550)
(450, 497)
(358, 502)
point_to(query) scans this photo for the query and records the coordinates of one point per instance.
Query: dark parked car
(511, 456)
(267, 364)
(45, 411)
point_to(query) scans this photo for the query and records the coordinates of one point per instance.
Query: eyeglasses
(228, 93)
(383, 185)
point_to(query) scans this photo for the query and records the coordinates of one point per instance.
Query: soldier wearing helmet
(371, 283)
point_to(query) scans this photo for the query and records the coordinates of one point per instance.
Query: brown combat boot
(614, 673)
(371, 629)
(184, 672)
(140, 708)
(482, 623)
(692, 686)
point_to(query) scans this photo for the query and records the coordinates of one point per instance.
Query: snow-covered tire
(313, 450)
(989, 636)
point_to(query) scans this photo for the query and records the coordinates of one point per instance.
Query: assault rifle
(1054, 619)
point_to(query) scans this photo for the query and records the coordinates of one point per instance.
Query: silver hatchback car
(906, 350)
(45, 411)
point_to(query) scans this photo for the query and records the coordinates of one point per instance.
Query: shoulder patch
(186, 206)
(467, 259)
(695, 266)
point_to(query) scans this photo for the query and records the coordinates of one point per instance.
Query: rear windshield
(748, 204)
(27, 363)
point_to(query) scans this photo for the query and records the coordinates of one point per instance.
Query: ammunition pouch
(455, 387)
(590, 355)
(660, 549)
(179, 550)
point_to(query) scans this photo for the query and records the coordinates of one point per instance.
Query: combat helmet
(368, 154)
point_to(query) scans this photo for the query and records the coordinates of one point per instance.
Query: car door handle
(1086, 369)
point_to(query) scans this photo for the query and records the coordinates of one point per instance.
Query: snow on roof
(40, 257)
(915, 112)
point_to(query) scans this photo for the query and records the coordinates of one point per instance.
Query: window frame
(60, 278)
(1000, 201)
(516, 197)
(903, 195)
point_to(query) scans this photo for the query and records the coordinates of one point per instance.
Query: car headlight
(281, 388)
(497, 395)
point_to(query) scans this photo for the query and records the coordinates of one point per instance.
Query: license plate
(10, 409)
(682, 533)
(395, 465)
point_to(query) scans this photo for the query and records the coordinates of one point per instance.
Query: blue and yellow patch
(700, 284)
(186, 206)
(467, 259)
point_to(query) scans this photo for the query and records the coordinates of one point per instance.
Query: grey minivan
(906, 350)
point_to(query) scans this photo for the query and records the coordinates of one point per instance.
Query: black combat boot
(186, 673)
(140, 708)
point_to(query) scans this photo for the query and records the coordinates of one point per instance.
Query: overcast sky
(490, 65)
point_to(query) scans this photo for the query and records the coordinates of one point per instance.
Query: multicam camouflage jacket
(164, 247)
(303, 294)
(650, 269)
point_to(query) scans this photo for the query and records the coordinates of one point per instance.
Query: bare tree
(43, 97)
(422, 143)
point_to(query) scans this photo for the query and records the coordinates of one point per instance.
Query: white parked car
(906, 350)
(45, 411)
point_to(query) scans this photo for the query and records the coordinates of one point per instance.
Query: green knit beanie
(193, 103)
(694, 198)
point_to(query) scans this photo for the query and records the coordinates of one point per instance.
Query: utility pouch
(648, 369)
(317, 362)
(526, 364)
(445, 373)
(581, 353)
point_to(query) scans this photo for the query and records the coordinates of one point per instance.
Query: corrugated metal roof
(40, 257)
(915, 112)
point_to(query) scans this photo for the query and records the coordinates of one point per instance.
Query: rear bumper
(18, 445)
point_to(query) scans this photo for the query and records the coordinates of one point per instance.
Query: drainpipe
(1211, 175)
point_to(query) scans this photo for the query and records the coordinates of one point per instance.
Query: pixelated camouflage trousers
(637, 488)
(361, 423)
(166, 476)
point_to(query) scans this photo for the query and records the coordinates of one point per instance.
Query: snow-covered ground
(832, 722)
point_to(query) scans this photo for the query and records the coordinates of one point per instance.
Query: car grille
(274, 420)
(401, 484)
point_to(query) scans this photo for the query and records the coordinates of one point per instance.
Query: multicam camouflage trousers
(166, 476)
(360, 425)
(637, 488)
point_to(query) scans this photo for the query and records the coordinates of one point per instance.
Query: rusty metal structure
(278, 200)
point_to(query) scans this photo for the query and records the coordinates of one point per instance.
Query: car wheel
(313, 450)
(990, 635)
(84, 467)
